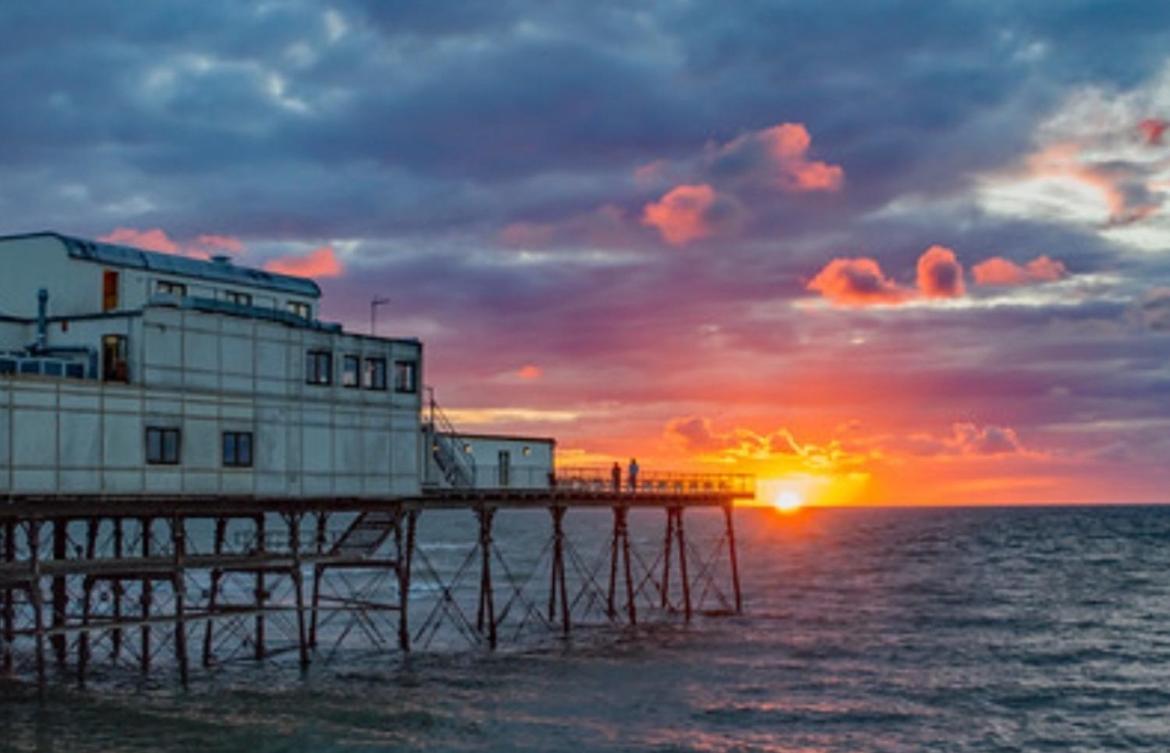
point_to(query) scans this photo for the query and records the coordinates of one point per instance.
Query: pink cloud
(226, 243)
(530, 371)
(526, 234)
(1152, 130)
(777, 157)
(857, 282)
(1122, 188)
(969, 439)
(1004, 272)
(939, 273)
(154, 239)
(682, 214)
(318, 263)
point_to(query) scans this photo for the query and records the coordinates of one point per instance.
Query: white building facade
(128, 372)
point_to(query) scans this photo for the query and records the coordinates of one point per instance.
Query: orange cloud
(320, 262)
(154, 239)
(857, 282)
(939, 273)
(1152, 130)
(1123, 192)
(530, 371)
(788, 143)
(1000, 271)
(682, 215)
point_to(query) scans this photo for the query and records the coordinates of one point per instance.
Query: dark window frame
(319, 367)
(237, 456)
(301, 309)
(356, 361)
(170, 288)
(409, 386)
(239, 299)
(163, 457)
(374, 374)
(117, 369)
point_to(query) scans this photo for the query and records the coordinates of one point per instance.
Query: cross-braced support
(557, 585)
(620, 552)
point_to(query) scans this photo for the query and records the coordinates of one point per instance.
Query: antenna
(374, 304)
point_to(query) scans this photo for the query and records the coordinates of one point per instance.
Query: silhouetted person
(633, 474)
(616, 474)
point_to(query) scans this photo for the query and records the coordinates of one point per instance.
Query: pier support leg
(6, 662)
(294, 538)
(37, 598)
(487, 604)
(728, 512)
(557, 585)
(179, 588)
(619, 550)
(260, 594)
(405, 561)
(322, 528)
(60, 640)
(667, 547)
(213, 597)
(614, 544)
(91, 532)
(147, 595)
(681, 535)
(116, 606)
(631, 600)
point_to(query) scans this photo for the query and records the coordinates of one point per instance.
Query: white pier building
(127, 372)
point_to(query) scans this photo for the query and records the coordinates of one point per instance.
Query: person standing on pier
(633, 474)
(616, 474)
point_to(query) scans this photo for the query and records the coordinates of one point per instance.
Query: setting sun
(787, 501)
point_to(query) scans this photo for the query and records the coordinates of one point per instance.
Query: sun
(787, 501)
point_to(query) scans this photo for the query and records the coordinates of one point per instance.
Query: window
(374, 377)
(505, 468)
(170, 288)
(109, 290)
(240, 299)
(319, 367)
(350, 371)
(405, 376)
(237, 449)
(296, 308)
(114, 364)
(162, 446)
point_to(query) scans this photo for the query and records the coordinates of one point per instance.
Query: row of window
(164, 446)
(356, 372)
(110, 295)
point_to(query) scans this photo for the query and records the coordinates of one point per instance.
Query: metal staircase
(456, 465)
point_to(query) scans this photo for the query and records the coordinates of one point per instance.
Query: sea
(925, 629)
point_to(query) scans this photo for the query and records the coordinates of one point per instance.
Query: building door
(115, 367)
(505, 468)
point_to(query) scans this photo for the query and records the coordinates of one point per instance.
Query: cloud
(530, 372)
(998, 271)
(939, 273)
(151, 240)
(697, 434)
(156, 239)
(683, 214)
(970, 439)
(777, 157)
(857, 282)
(1152, 129)
(1153, 310)
(319, 263)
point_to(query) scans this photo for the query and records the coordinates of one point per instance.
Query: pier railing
(663, 482)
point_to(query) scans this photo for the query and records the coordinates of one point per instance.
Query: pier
(150, 584)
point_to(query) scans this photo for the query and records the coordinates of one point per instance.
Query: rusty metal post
(728, 512)
(260, 595)
(294, 538)
(667, 548)
(487, 606)
(60, 592)
(682, 563)
(179, 588)
(213, 597)
(116, 607)
(147, 595)
(322, 524)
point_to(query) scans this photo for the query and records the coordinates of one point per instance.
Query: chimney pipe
(42, 319)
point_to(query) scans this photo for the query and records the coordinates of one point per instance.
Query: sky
(873, 252)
